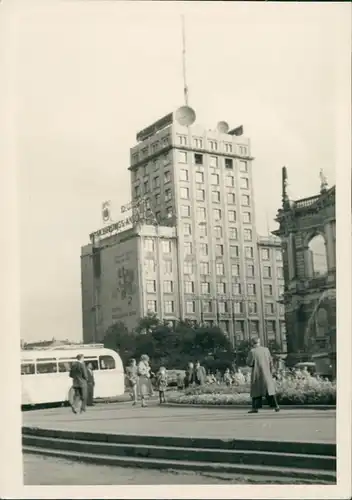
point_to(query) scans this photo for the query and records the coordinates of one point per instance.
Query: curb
(246, 406)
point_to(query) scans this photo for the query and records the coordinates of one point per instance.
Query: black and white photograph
(175, 168)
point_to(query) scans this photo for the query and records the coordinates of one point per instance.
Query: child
(132, 377)
(162, 384)
(227, 377)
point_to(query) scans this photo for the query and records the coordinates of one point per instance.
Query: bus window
(93, 362)
(107, 363)
(27, 369)
(46, 366)
(65, 364)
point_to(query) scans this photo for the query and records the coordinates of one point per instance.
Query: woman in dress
(144, 377)
(132, 378)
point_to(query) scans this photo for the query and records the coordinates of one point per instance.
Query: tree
(147, 323)
(242, 352)
(119, 339)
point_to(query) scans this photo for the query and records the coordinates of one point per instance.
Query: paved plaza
(121, 418)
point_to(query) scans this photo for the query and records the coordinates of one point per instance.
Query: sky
(90, 74)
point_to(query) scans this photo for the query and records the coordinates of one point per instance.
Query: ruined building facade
(307, 232)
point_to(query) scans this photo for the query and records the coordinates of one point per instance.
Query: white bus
(45, 373)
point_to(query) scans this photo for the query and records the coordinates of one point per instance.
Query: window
(182, 157)
(169, 212)
(235, 269)
(265, 254)
(189, 286)
(228, 163)
(234, 252)
(199, 177)
(168, 195)
(278, 254)
(229, 181)
(155, 165)
(244, 183)
(251, 290)
(165, 141)
(146, 186)
(250, 270)
(252, 307)
(203, 249)
(213, 161)
(207, 306)
(187, 267)
(245, 200)
(228, 147)
(183, 174)
(281, 290)
(168, 266)
(236, 288)
(28, 368)
(232, 215)
(270, 326)
(168, 306)
(149, 245)
(156, 182)
(222, 307)
(46, 365)
(233, 233)
(220, 288)
(187, 229)
(66, 363)
(268, 290)
(204, 268)
(213, 145)
(218, 231)
(198, 143)
(157, 199)
(168, 286)
(150, 265)
(243, 150)
(155, 147)
(249, 252)
(167, 176)
(219, 250)
(267, 272)
(247, 233)
(200, 194)
(135, 157)
(281, 309)
(151, 305)
(217, 214)
(280, 272)
(190, 306)
(215, 196)
(151, 286)
(202, 230)
(137, 191)
(144, 152)
(205, 287)
(269, 308)
(184, 192)
(182, 139)
(220, 269)
(201, 213)
(187, 247)
(166, 246)
(231, 198)
(215, 179)
(246, 216)
(238, 307)
(185, 211)
(198, 159)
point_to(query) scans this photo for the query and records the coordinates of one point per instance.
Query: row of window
(214, 178)
(154, 148)
(265, 254)
(203, 231)
(232, 233)
(200, 195)
(213, 145)
(149, 245)
(267, 272)
(62, 365)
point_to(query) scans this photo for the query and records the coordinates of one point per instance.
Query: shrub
(289, 391)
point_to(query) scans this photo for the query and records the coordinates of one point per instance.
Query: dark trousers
(90, 394)
(79, 394)
(257, 403)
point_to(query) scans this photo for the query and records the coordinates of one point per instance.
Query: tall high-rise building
(199, 182)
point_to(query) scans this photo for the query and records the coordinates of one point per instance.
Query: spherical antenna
(223, 127)
(185, 116)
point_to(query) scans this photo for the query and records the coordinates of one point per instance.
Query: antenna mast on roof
(185, 88)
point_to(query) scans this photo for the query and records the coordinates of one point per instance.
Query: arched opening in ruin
(318, 263)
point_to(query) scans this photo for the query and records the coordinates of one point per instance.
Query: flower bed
(309, 390)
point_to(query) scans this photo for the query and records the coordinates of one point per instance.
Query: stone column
(330, 246)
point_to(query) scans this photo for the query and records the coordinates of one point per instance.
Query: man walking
(79, 376)
(262, 382)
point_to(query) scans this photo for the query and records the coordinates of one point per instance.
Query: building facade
(199, 183)
(307, 229)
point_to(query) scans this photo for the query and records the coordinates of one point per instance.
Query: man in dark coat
(199, 374)
(262, 382)
(79, 376)
(90, 384)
